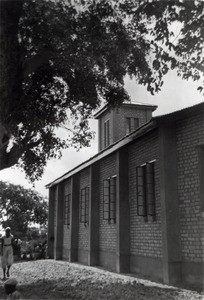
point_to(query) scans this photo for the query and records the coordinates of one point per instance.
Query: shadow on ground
(89, 290)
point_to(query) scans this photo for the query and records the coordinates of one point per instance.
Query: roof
(107, 151)
(181, 114)
(128, 104)
(139, 132)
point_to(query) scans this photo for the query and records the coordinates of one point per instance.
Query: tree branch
(37, 61)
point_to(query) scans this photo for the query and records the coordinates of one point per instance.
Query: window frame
(141, 191)
(67, 209)
(136, 123)
(84, 206)
(109, 199)
(127, 125)
(145, 193)
(131, 124)
(151, 196)
(107, 133)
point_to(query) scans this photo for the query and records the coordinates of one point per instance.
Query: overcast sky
(175, 95)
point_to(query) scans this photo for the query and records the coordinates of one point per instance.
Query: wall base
(93, 259)
(83, 256)
(65, 254)
(122, 263)
(107, 260)
(148, 267)
(193, 275)
(172, 273)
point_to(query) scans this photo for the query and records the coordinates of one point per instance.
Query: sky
(175, 95)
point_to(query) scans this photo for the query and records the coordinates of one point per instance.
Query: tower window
(131, 124)
(107, 133)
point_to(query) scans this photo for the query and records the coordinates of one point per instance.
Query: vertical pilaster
(74, 218)
(100, 142)
(59, 221)
(93, 250)
(169, 206)
(122, 213)
(50, 238)
(201, 175)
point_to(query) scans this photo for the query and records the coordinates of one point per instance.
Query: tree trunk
(11, 71)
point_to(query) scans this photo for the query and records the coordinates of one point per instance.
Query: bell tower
(116, 122)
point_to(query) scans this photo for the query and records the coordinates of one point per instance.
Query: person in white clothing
(7, 252)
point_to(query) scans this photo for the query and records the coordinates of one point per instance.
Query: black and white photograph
(102, 149)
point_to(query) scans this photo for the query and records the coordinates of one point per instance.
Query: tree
(21, 207)
(62, 58)
(157, 20)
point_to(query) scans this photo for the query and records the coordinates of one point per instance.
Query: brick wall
(120, 115)
(117, 118)
(83, 231)
(66, 228)
(190, 133)
(145, 237)
(107, 232)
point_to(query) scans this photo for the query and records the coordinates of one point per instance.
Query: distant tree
(60, 59)
(20, 208)
(34, 233)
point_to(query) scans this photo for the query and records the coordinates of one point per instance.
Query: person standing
(7, 252)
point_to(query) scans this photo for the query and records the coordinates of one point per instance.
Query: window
(109, 199)
(131, 124)
(84, 207)
(107, 133)
(55, 205)
(135, 123)
(128, 125)
(67, 210)
(145, 190)
(141, 191)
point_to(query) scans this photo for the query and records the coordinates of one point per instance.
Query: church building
(137, 206)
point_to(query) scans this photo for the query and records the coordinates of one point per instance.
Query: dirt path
(49, 279)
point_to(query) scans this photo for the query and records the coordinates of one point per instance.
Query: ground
(50, 279)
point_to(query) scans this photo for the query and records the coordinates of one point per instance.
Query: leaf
(156, 64)
(61, 59)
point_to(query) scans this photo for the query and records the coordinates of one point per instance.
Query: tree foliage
(62, 58)
(183, 51)
(21, 207)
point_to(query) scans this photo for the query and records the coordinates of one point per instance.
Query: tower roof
(129, 104)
